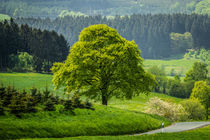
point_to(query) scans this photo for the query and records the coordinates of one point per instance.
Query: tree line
(23, 47)
(158, 36)
(52, 8)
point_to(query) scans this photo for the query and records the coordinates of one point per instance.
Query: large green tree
(201, 91)
(103, 64)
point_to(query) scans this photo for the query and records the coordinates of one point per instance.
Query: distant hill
(53, 8)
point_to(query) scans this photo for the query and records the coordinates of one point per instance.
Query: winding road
(178, 127)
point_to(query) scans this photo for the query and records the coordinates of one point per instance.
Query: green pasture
(181, 66)
(197, 134)
(3, 17)
(102, 121)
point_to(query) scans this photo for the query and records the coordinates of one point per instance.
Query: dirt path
(178, 127)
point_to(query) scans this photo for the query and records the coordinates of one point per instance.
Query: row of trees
(176, 87)
(41, 48)
(158, 36)
(17, 102)
(52, 8)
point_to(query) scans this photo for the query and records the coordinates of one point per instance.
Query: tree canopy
(198, 72)
(201, 91)
(102, 64)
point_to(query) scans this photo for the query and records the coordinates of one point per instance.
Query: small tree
(194, 108)
(198, 72)
(103, 64)
(201, 91)
(160, 77)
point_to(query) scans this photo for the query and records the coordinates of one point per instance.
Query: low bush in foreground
(84, 122)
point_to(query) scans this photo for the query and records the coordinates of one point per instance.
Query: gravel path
(178, 127)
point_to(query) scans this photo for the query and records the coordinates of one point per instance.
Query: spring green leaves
(102, 64)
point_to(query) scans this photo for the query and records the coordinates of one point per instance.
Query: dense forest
(158, 36)
(24, 49)
(54, 8)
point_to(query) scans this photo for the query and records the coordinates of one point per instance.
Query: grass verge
(197, 134)
(103, 121)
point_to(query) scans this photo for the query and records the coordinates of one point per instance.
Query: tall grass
(102, 121)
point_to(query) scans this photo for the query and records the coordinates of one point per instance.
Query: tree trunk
(104, 96)
(104, 100)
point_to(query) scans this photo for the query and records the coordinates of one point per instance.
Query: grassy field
(28, 80)
(197, 134)
(181, 66)
(3, 17)
(102, 121)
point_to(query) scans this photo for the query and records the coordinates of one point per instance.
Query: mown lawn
(102, 121)
(197, 134)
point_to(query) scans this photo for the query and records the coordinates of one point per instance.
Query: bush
(171, 111)
(68, 105)
(1, 108)
(88, 105)
(194, 108)
(59, 108)
(76, 102)
(49, 106)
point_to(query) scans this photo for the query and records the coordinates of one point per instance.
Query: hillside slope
(52, 8)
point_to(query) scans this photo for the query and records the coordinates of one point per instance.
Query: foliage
(194, 109)
(181, 42)
(201, 54)
(31, 8)
(18, 103)
(150, 32)
(160, 77)
(49, 106)
(27, 49)
(203, 7)
(103, 120)
(22, 62)
(70, 13)
(198, 72)
(68, 105)
(4, 17)
(201, 91)
(103, 64)
(179, 89)
(171, 111)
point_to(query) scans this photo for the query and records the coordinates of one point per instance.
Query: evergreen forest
(158, 36)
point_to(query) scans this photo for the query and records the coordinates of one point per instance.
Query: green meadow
(102, 121)
(197, 134)
(28, 80)
(180, 66)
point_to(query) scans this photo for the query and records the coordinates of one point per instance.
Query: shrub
(68, 105)
(17, 106)
(171, 111)
(49, 106)
(88, 104)
(59, 108)
(76, 102)
(1, 108)
(194, 108)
